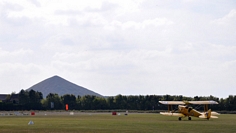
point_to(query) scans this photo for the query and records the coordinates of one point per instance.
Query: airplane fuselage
(188, 111)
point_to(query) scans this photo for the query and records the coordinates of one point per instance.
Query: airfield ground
(63, 122)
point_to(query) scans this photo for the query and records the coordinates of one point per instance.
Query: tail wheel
(179, 118)
(189, 118)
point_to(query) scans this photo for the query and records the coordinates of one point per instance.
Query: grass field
(106, 123)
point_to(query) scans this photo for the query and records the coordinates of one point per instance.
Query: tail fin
(208, 114)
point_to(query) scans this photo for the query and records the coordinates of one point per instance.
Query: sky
(132, 47)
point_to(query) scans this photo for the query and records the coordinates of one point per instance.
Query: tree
(110, 103)
(87, 102)
(70, 100)
(24, 100)
(121, 102)
(35, 100)
(78, 102)
(53, 101)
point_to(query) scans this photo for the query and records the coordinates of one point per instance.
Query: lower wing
(172, 114)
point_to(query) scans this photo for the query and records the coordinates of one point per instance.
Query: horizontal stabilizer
(172, 114)
(215, 113)
(204, 116)
(213, 116)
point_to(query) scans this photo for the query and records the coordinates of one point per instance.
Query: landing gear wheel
(179, 118)
(189, 118)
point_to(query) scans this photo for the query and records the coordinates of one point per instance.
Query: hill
(61, 86)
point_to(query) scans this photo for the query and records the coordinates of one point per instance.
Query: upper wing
(202, 102)
(172, 102)
(187, 102)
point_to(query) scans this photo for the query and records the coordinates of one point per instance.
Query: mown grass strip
(106, 123)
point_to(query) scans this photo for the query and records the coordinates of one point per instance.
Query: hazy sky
(131, 47)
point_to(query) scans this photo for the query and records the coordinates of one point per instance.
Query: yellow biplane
(185, 111)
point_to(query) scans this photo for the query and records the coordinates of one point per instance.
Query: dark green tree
(110, 103)
(53, 101)
(70, 100)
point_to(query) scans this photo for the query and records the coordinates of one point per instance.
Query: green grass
(106, 123)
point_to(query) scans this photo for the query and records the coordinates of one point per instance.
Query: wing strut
(169, 108)
(205, 108)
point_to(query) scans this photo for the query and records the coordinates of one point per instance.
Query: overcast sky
(131, 47)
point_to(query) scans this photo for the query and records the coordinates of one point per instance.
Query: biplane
(185, 111)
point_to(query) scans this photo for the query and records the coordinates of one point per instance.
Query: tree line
(33, 100)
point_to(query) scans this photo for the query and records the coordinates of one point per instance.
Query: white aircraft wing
(187, 102)
(172, 102)
(202, 102)
(172, 114)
